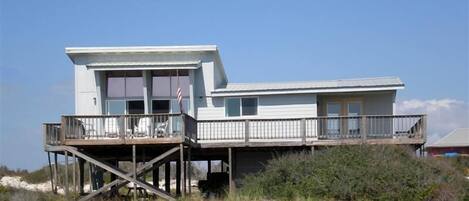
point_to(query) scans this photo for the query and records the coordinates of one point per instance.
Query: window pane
(161, 86)
(136, 107)
(134, 86)
(160, 106)
(175, 106)
(249, 106)
(232, 107)
(333, 109)
(183, 83)
(354, 109)
(115, 87)
(353, 123)
(333, 125)
(115, 107)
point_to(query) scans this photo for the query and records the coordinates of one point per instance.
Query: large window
(166, 83)
(116, 107)
(122, 84)
(235, 107)
(160, 106)
(164, 90)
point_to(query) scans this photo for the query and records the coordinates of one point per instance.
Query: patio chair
(161, 128)
(111, 127)
(142, 129)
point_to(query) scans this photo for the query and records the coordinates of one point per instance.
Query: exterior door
(333, 124)
(353, 120)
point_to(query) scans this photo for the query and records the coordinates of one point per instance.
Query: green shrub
(356, 173)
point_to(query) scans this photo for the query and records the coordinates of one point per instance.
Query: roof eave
(139, 49)
(221, 93)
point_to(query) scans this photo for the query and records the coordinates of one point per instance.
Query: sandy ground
(16, 182)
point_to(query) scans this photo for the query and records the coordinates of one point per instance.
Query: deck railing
(316, 128)
(138, 126)
(364, 127)
(51, 133)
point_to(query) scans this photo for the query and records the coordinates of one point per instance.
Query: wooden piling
(66, 175)
(134, 166)
(156, 175)
(189, 171)
(56, 169)
(230, 170)
(74, 170)
(167, 178)
(81, 176)
(178, 177)
(50, 172)
(182, 169)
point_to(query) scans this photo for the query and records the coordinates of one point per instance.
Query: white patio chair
(161, 128)
(143, 127)
(111, 127)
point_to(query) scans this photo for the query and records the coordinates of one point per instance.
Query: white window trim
(240, 107)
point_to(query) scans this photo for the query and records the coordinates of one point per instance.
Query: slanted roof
(457, 138)
(326, 86)
(76, 52)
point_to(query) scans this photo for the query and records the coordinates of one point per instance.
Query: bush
(361, 172)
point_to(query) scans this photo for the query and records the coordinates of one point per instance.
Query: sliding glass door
(333, 121)
(343, 118)
(353, 122)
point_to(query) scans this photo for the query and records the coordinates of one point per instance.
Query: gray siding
(274, 106)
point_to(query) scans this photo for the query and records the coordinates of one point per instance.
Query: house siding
(275, 106)
(85, 91)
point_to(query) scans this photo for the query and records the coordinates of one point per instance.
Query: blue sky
(423, 42)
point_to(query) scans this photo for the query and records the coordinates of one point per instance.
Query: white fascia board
(304, 91)
(192, 65)
(139, 49)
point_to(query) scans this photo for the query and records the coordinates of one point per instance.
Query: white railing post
(63, 131)
(303, 130)
(246, 131)
(363, 128)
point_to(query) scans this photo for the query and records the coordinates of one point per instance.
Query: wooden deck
(113, 130)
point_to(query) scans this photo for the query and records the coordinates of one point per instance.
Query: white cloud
(444, 115)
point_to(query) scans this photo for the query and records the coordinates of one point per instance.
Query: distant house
(455, 143)
(128, 104)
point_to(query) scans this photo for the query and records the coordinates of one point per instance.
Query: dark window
(136, 107)
(160, 106)
(249, 106)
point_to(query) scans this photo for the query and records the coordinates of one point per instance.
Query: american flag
(179, 97)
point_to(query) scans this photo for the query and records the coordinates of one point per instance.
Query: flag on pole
(179, 93)
(179, 97)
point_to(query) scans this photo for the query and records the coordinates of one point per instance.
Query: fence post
(303, 130)
(44, 134)
(183, 127)
(122, 126)
(363, 128)
(62, 131)
(246, 131)
(424, 127)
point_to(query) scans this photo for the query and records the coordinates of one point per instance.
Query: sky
(424, 42)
